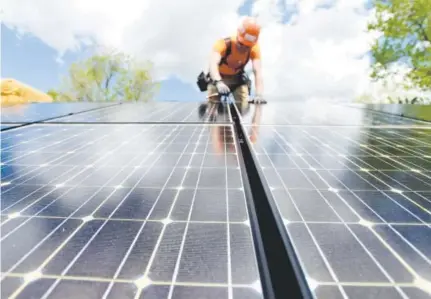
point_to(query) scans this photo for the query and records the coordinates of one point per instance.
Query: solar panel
(40, 111)
(125, 211)
(415, 111)
(184, 112)
(353, 193)
(159, 200)
(318, 113)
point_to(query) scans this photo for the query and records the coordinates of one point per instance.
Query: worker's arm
(257, 70)
(258, 78)
(214, 62)
(215, 58)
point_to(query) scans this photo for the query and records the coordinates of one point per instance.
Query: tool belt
(204, 79)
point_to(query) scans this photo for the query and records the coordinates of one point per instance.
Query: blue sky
(29, 60)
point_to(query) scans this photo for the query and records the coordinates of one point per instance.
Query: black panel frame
(42, 121)
(281, 269)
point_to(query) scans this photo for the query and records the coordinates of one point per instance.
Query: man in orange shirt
(227, 62)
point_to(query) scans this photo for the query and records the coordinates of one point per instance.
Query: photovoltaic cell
(125, 211)
(41, 111)
(356, 203)
(153, 112)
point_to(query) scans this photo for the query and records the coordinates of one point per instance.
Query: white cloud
(318, 53)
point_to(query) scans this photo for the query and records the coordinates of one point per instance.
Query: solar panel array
(149, 201)
(353, 189)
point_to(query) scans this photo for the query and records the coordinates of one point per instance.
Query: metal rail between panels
(282, 274)
(43, 120)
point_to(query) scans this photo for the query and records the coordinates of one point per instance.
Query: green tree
(53, 94)
(135, 82)
(405, 26)
(111, 76)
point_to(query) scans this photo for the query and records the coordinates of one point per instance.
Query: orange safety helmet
(248, 32)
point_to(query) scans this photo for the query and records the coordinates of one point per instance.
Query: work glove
(222, 88)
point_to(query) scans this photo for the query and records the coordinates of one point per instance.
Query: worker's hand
(222, 88)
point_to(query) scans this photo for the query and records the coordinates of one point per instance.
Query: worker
(228, 60)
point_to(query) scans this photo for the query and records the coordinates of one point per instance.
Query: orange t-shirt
(235, 59)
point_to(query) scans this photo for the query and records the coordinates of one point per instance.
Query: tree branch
(108, 80)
